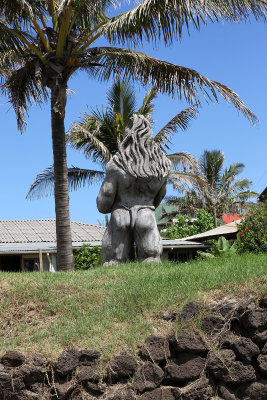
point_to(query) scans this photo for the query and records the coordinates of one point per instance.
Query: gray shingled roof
(32, 235)
(36, 231)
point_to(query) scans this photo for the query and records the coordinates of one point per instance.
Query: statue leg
(147, 237)
(116, 241)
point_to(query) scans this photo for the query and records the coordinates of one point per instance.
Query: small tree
(185, 226)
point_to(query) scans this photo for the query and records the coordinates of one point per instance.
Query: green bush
(186, 227)
(87, 257)
(252, 234)
(221, 248)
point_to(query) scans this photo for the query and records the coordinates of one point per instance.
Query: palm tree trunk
(63, 228)
(215, 216)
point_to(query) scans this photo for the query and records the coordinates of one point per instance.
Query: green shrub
(221, 248)
(87, 257)
(252, 234)
(186, 227)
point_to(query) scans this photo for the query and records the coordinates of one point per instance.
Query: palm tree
(55, 38)
(99, 133)
(217, 189)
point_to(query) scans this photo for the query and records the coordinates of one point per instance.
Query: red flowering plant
(252, 235)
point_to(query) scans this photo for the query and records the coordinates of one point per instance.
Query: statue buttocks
(134, 185)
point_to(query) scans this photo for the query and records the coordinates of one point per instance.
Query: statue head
(139, 155)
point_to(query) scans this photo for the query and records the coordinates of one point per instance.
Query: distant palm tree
(217, 189)
(99, 133)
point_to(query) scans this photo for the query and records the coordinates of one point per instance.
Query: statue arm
(107, 192)
(161, 194)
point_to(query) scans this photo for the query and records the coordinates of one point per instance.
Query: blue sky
(233, 54)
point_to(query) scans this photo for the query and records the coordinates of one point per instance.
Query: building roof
(263, 195)
(44, 231)
(162, 212)
(182, 244)
(33, 248)
(23, 237)
(223, 230)
(227, 218)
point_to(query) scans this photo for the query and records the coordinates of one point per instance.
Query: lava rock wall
(225, 359)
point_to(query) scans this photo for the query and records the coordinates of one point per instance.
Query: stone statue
(134, 186)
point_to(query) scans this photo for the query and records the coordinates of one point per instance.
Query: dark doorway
(182, 255)
(10, 263)
(31, 264)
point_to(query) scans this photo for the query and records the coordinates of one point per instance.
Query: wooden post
(41, 269)
(22, 263)
(190, 255)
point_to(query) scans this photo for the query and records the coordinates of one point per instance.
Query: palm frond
(180, 121)
(8, 40)
(229, 175)
(188, 203)
(147, 108)
(234, 170)
(168, 78)
(107, 129)
(79, 177)
(186, 182)
(43, 184)
(24, 87)
(153, 19)
(244, 196)
(241, 184)
(19, 11)
(83, 136)
(87, 13)
(211, 164)
(121, 98)
(183, 160)
(176, 200)
(9, 60)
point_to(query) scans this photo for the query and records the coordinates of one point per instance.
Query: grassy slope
(115, 307)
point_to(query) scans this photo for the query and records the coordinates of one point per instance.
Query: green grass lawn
(116, 307)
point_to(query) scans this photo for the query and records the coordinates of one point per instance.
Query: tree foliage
(186, 226)
(52, 39)
(252, 231)
(98, 134)
(217, 189)
(87, 257)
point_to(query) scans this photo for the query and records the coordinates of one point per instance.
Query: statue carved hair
(139, 155)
